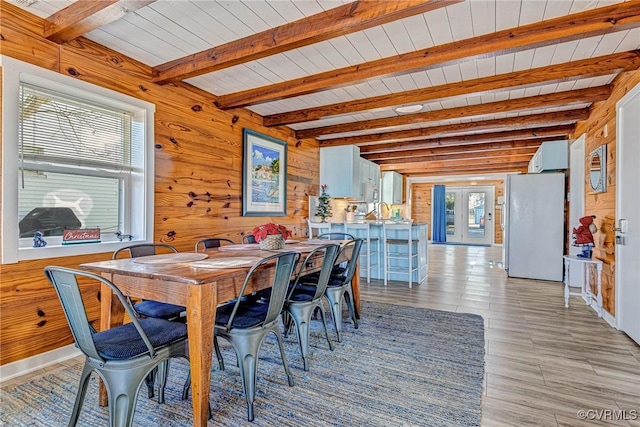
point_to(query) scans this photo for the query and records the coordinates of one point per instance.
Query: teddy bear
(583, 235)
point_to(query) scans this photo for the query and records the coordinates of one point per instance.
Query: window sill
(56, 251)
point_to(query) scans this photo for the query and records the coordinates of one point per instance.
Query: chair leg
(216, 347)
(320, 308)
(162, 374)
(82, 390)
(348, 297)
(301, 316)
(287, 321)
(247, 354)
(123, 395)
(276, 330)
(334, 296)
(151, 380)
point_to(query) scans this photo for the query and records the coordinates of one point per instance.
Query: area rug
(404, 366)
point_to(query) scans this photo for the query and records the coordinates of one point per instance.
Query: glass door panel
(475, 222)
(450, 203)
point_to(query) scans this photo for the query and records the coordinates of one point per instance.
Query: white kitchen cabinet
(340, 171)
(346, 174)
(392, 188)
(551, 156)
(369, 180)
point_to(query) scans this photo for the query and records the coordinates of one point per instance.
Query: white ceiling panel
(416, 27)
(438, 25)
(460, 21)
(483, 15)
(531, 11)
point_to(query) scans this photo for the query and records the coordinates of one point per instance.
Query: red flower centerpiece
(270, 235)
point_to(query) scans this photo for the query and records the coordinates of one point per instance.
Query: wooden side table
(585, 290)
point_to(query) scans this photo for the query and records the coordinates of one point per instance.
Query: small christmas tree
(324, 204)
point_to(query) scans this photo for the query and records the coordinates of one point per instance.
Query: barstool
(320, 227)
(366, 250)
(399, 247)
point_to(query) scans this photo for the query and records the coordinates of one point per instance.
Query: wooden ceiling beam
(533, 120)
(522, 154)
(339, 21)
(558, 132)
(604, 20)
(592, 67)
(455, 164)
(424, 168)
(587, 95)
(422, 172)
(84, 16)
(521, 146)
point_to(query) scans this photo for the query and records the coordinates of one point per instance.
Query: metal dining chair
(246, 322)
(150, 308)
(339, 286)
(122, 356)
(212, 242)
(303, 301)
(249, 239)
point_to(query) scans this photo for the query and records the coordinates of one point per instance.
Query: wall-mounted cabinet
(392, 188)
(370, 180)
(551, 156)
(346, 174)
(340, 171)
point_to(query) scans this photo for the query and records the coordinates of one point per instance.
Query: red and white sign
(80, 235)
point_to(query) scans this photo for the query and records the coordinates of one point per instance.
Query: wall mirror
(598, 169)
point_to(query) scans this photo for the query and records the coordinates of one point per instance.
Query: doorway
(469, 213)
(628, 214)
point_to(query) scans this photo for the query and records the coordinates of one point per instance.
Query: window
(76, 156)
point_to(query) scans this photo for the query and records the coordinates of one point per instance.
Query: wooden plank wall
(198, 183)
(421, 202)
(603, 205)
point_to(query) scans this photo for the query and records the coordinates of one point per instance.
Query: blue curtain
(439, 215)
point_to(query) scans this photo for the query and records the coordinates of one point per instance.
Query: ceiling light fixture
(408, 108)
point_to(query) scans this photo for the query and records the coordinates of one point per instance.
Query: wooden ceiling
(492, 79)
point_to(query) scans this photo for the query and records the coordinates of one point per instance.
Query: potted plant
(323, 211)
(270, 235)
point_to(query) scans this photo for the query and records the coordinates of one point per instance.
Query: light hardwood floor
(544, 362)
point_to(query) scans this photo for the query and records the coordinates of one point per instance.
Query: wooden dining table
(198, 284)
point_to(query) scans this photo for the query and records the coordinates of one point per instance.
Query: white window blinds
(61, 130)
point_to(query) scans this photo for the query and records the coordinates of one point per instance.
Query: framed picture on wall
(264, 175)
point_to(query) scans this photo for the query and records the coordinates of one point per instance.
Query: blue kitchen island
(419, 233)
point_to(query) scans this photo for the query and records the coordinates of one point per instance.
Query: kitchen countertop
(379, 222)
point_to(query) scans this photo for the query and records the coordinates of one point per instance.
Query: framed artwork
(264, 175)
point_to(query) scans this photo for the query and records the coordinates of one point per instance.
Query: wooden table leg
(111, 314)
(201, 314)
(355, 288)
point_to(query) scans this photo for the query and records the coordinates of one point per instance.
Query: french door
(469, 215)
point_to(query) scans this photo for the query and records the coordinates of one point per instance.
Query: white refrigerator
(534, 231)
